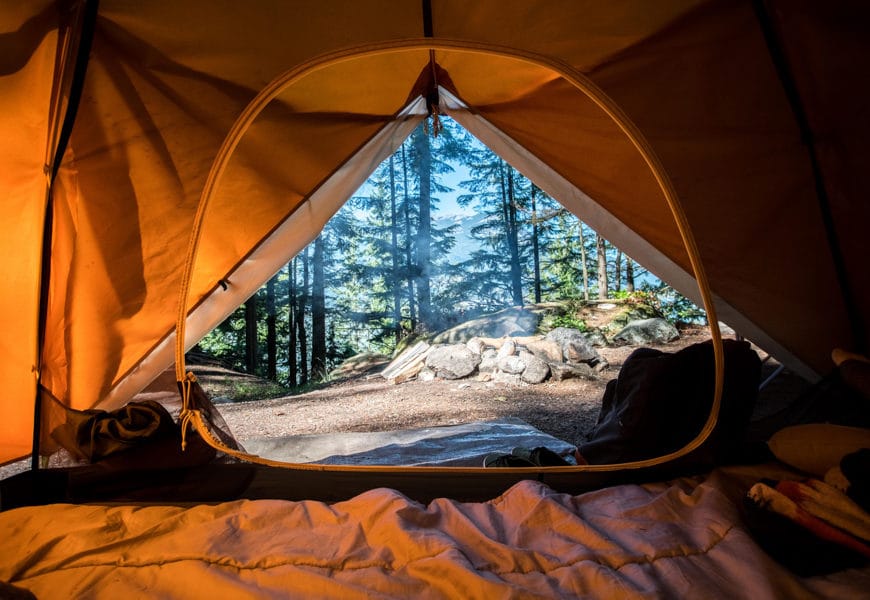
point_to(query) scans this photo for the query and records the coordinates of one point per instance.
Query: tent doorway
(326, 199)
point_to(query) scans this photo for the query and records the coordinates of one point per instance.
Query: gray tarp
(456, 445)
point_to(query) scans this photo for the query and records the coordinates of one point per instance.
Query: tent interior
(161, 161)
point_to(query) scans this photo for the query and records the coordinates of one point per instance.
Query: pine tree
(271, 332)
(301, 308)
(409, 253)
(536, 248)
(511, 230)
(494, 266)
(423, 256)
(584, 264)
(292, 311)
(395, 276)
(601, 249)
(318, 313)
(251, 362)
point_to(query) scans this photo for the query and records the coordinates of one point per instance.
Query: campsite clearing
(566, 409)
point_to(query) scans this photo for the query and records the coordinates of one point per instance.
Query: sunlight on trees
(391, 263)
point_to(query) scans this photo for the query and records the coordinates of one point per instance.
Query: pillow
(815, 448)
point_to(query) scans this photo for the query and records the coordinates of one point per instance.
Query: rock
(575, 347)
(596, 338)
(488, 364)
(476, 345)
(359, 364)
(484, 377)
(646, 331)
(547, 350)
(454, 361)
(507, 378)
(508, 348)
(511, 364)
(426, 374)
(507, 322)
(560, 371)
(536, 370)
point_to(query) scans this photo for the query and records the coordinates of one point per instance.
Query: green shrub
(570, 320)
(246, 391)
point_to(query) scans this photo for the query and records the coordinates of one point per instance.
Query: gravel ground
(566, 409)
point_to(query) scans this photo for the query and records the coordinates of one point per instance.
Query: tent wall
(166, 81)
(29, 53)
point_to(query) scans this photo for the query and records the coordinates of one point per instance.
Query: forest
(442, 231)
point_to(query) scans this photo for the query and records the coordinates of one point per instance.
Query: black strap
(786, 77)
(86, 36)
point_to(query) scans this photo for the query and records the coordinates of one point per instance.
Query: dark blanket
(660, 402)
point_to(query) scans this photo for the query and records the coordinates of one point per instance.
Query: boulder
(453, 361)
(508, 322)
(506, 378)
(560, 371)
(646, 331)
(511, 364)
(546, 350)
(508, 348)
(488, 363)
(426, 374)
(596, 338)
(476, 345)
(536, 370)
(575, 347)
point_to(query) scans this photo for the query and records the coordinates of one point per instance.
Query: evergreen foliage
(369, 285)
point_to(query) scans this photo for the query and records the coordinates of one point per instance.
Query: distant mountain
(465, 244)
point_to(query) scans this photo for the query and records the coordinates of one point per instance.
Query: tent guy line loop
(575, 78)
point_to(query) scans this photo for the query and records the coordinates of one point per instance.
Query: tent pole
(87, 17)
(786, 78)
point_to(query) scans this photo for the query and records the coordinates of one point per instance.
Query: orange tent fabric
(702, 81)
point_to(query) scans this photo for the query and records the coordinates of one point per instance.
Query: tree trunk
(251, 335)
(395, 280)
(271, 333)
(424, 229)
(300, 320)
(509, 212)
(629, 275)
(602, 268)
(617, 271)
(409, 259)
(292, 367)
(318, 314)
(331, 346)
(536, 249)
(584, 267)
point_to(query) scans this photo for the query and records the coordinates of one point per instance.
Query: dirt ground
(566, 409)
